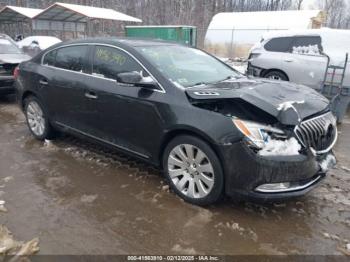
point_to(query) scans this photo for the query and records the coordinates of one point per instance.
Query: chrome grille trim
(310, 132)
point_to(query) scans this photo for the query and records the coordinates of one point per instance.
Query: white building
(233, 34)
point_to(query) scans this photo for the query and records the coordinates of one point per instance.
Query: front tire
(193, 170)
(37, 119)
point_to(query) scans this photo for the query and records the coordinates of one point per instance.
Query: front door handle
(43, 82)
(91, 95)
(289, 60)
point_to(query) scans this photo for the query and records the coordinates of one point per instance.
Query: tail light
(253, 55)
(16, 72)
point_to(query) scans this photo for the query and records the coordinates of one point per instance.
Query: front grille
(319, 133)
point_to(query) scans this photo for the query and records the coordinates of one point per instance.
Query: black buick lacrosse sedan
(213, 131)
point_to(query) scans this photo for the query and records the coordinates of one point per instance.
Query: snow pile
(328, 163)
(289, 104)
(273, 147)
(17, 249)
(306, 50)
(43, 42)
(2, 206)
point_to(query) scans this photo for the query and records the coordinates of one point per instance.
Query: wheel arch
(170, 135)
(266, 71)
(25, 95)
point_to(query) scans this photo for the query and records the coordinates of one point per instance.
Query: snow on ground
(238, 66)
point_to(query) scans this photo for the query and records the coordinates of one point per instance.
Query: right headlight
(256, 133)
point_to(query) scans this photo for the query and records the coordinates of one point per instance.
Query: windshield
(187, 66)
(7, 47)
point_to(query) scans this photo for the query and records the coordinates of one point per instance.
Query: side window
(50, 58)
(306, 41)
(280, 44)
(72, 58)
(109, 62)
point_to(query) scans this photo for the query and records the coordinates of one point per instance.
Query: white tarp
(233, 34)
(91, 12)
(272, 20)
(28, 12)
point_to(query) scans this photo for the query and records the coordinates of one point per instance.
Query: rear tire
(193, 170)
(37, 119)
(276, 75)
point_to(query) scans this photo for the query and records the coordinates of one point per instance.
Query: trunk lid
(8, 63)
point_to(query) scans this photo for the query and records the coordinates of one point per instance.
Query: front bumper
(7, 85)
(246, 171)
(253, 70)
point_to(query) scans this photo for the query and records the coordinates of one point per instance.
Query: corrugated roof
(10, 14)
(294, 19)
(79, 13)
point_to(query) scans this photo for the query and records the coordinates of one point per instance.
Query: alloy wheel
(36, 120)
(275, 77)
(191, 171)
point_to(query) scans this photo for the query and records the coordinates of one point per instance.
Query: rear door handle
(289, 60)
(43, 82)
(91, 95)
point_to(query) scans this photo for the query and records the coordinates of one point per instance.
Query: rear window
(307, 41)
(71, 58)
(280, 44)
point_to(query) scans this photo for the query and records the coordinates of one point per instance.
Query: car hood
(13, 58)
(289, 103)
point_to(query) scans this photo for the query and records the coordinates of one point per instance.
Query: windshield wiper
(199, 84)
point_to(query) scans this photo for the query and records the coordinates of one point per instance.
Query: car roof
(132, 42)
(4, 36)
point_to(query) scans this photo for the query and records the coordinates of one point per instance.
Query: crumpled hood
(13, 58)
(289, 103)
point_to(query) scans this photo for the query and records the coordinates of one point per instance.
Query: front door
(120, 114)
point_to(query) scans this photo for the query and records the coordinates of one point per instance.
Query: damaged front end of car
(286, 145)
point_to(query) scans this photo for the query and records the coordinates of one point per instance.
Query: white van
(300, 56)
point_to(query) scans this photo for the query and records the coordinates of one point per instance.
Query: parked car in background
(32, 45)
(211, 129)
(300, 56)
(10, 57)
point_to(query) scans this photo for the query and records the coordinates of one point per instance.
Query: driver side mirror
(136, 78)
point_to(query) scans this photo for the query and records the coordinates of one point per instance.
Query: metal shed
(11, 17)
(76, 18)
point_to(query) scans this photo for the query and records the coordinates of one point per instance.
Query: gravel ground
(78, 198)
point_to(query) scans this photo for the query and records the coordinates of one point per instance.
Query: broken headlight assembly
(257, 134)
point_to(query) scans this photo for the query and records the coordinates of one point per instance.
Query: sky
(309, 4)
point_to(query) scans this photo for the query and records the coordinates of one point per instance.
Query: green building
(181, 34)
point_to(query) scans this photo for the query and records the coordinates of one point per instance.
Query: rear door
(304, 63)
(64, 83)
(272, 59)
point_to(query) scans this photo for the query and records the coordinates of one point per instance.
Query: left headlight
(258, 134)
